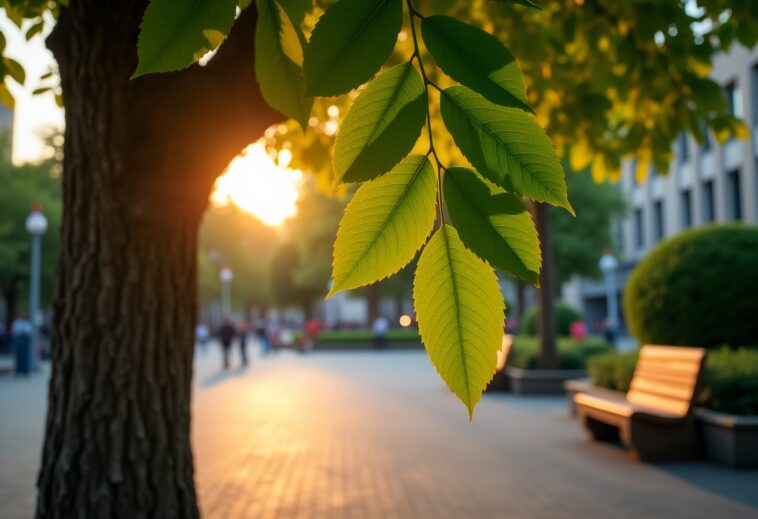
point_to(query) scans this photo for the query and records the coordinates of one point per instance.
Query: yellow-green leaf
(506, 145)
(460, 313)
(176, 33)
(350, 43)
(382, 125)
(475, 58)
(278, 62)
(385, 224)
(494, 224)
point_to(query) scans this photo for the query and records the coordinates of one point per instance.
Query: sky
(33, 113)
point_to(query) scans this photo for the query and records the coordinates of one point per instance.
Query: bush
(565, 314)
(612, 370)
(729, 385)
(572, 354)
(697, 289)
(730, 382)
(365, 335)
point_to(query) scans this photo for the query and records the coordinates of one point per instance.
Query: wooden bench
(655, 419)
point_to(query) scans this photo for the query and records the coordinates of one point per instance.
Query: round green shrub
(697, 289)
(566, 314)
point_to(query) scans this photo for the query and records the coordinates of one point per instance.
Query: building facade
(705, 184)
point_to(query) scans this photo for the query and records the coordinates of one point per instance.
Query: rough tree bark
(140, 160)
(546, 323)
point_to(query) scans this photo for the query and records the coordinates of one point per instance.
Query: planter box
(729, 439)
(540, 381)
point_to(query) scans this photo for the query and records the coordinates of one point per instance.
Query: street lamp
(36, 226)
(227, 275)
(608, 265)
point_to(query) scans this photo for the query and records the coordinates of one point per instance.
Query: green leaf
(15, 70)
(476, 59)
(382, 125)
(385, 224)
(350, 43)
(506, 145)
(176, 33)
(278, 62)
(494, 224)
(297, 8)
(460, 314)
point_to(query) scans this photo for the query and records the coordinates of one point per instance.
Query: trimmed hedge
(365, 335)
(564, 313)
(697, 289)
(729, 385)
(572, 354)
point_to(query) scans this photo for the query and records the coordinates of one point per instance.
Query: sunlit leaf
(350, 43)
(492, 223)
(506, 145)
(278, 61)
(385, 224)
(476, 59)
(176, 33)
(460, 314)
(382, 125)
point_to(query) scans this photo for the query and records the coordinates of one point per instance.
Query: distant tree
(233, 238)
(22, 186)
(579, 241)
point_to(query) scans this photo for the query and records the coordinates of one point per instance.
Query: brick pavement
(365, 435)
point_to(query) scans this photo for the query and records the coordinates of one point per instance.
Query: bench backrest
(666, 378)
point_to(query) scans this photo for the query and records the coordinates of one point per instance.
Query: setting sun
(258, 184)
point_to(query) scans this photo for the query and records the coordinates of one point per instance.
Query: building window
(684, 148)
(707, 139)
(734, 99)
(639, 228)
(709, 206)
(734, 195)
(686, 209)
(619, 235)
(634, 172)
(658, 220)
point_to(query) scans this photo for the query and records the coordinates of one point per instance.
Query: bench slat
(676, 391)
(658, 403)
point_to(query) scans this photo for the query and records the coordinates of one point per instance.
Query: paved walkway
(376, 435)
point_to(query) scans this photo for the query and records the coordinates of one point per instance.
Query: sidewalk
(375, 434)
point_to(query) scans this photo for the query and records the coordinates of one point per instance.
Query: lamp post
(227, 275)
(608, 265)
(36, 226)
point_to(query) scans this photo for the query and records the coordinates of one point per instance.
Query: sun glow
(258, 184)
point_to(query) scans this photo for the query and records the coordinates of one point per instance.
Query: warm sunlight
(256, 183)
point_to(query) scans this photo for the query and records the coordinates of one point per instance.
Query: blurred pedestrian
(226, 334)
(578, 330)
(262, 336)
(312, 330)
(379, 330)
(202, 335)
(242, 331)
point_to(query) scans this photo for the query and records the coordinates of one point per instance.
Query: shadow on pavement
(221, 376)
(736, 485)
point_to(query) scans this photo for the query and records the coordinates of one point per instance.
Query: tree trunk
(140, 159)
(546, 321)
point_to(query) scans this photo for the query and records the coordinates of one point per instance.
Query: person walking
(242, 330)
(262, 336)
(226, 334)
(379, 330)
